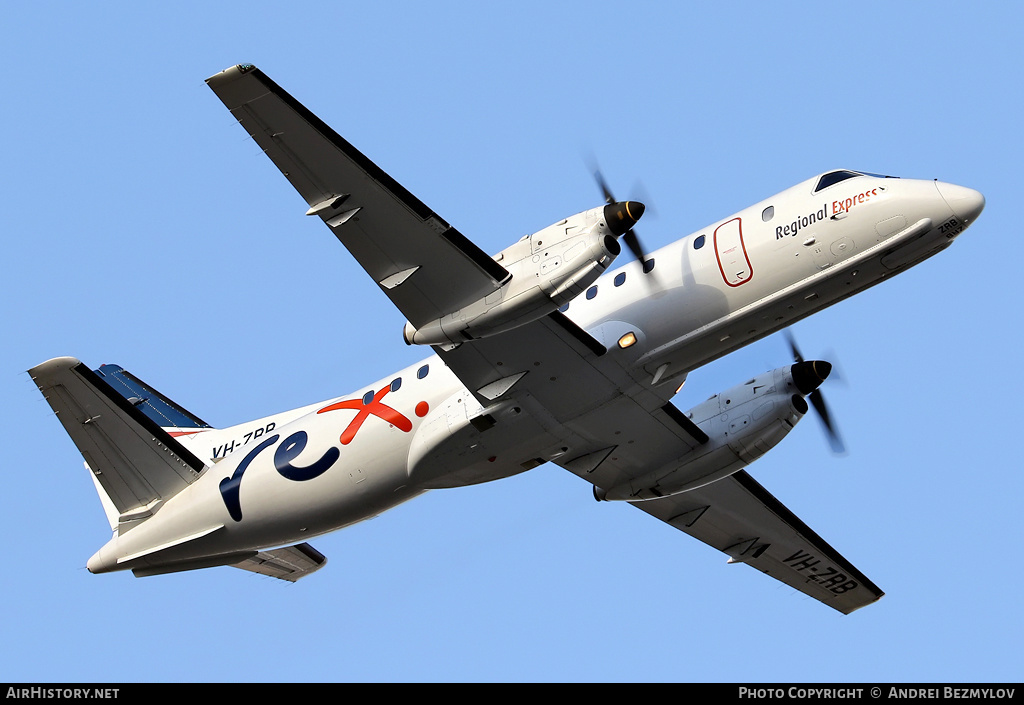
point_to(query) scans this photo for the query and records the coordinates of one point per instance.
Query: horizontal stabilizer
(288, 564)
(136, 462)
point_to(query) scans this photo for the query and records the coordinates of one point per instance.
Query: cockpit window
(834, 177)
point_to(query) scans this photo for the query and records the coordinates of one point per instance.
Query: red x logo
(375, 407)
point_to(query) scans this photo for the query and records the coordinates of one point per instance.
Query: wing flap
(426, 267)
(643, 440)
(558, 364)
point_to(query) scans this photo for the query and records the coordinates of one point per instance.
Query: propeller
(808, 375)
(633, 211)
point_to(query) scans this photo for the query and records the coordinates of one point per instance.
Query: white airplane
(541, 354)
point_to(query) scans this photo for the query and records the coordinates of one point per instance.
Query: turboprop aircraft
(541, 353)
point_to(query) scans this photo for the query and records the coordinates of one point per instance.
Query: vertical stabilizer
(159, 408)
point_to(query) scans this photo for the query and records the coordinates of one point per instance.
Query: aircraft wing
(566, 378)
(742, 519)
(424, 265)
(581, 393)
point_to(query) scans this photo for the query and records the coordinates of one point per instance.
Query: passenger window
(698, 242)
(768, 213)
(422, 372)
(649, 266)
(591, 292)
(620, 278)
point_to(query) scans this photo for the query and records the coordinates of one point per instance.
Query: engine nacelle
(742, 424)
(548, 268)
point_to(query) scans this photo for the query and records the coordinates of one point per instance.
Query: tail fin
(133, 460)
(161, 410)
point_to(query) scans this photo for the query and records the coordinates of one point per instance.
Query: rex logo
(369, 405)
(293, 445)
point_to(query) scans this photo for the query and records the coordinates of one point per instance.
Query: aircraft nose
(966, 203)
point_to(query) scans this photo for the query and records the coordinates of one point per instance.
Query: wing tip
(868, 603)
(231, 73)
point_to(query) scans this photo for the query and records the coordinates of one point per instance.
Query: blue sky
(143, 228)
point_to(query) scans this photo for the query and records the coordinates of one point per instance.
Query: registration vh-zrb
(545, 352)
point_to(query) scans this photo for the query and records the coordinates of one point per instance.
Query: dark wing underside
(426, 267)
(742, 519)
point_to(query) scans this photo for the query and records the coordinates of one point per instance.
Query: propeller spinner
(622, 212)
(808, 376)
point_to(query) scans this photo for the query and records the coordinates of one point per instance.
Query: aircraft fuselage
(288, 477)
